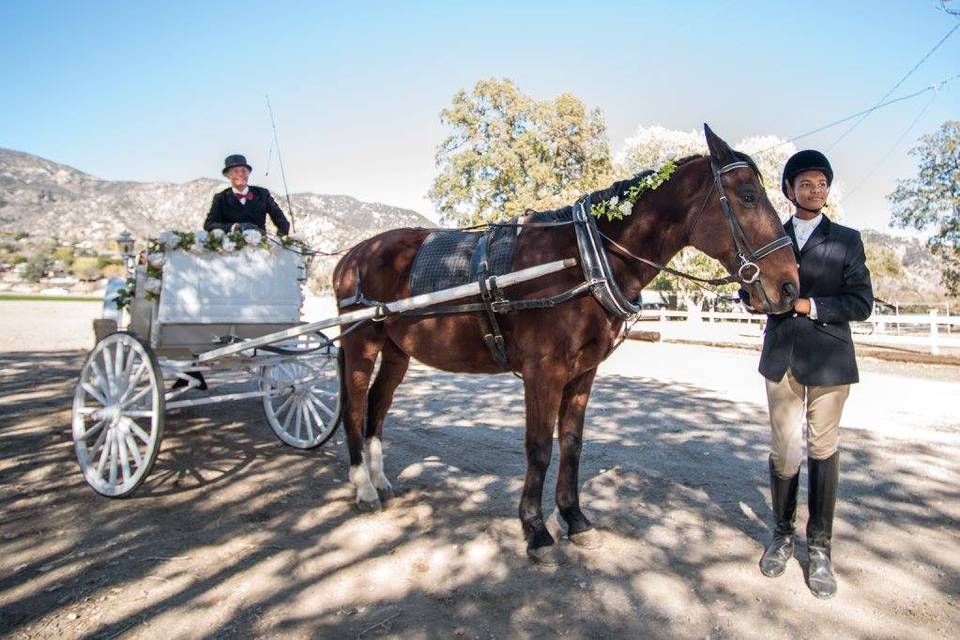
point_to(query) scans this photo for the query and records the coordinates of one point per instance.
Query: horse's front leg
(573, 407)
(542, 394)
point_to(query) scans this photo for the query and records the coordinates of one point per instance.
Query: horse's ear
(720, 151)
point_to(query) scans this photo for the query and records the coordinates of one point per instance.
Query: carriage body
(208, 296)
(202, 301)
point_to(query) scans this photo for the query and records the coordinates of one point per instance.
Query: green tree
(37, 267)
(932, 199)
(86, 268)
(696, 263)
(882, 261)
(509, 153)
(64, 255)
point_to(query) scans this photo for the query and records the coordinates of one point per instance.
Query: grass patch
(15, 297)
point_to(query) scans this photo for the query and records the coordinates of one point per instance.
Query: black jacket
(833, 271)
(227, 210)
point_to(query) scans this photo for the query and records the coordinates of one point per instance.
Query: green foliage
(622, 204)
(86, 268)
(107, 260)
(37, 267)
(20, 235)
(509, 153)
(883, 262)
(932, 199)
(64, 255)
(696, 263)
(18, 258)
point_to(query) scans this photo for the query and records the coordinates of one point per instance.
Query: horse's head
(735, 224)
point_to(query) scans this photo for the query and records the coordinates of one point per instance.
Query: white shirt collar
(806, 226)
(241, 193)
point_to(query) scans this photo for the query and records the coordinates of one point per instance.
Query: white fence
(932, 331)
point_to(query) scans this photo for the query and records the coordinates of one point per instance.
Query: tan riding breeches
(824, 405)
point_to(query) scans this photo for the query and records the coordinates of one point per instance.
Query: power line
(895, 87)
(886, 156)
(876, 107)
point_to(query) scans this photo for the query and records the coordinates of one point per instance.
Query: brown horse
(556, 351)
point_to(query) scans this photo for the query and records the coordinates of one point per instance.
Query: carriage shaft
(397, 306)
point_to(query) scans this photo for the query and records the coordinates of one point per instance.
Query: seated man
(241, 204)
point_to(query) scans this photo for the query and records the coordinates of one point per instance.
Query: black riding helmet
(807, 160)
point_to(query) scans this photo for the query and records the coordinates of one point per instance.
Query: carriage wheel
(118, 414)
(302, 398)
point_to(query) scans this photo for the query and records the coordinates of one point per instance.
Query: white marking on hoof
(373, 457)
(366, 493)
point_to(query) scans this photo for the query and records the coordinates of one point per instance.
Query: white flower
(626, 207)
(152, 285)
(252, 236)
(197, 246)
(200, 236)
(228, 245)
(217, 234)
(155, 260)
(614, 200)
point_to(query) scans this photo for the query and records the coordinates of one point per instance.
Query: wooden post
(934, 342)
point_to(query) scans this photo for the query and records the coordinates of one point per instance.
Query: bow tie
(244, 196)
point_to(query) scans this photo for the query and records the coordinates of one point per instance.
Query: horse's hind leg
(573, 406)
(359, 351)
(393, 367)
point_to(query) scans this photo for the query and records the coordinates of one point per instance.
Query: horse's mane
(621, 186)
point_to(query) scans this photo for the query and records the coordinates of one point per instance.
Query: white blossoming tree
(651, 146)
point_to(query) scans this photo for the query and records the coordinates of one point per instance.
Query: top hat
(236, 160)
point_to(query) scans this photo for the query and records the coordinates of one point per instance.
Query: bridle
(747, 258)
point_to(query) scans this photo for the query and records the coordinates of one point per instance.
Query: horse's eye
(749, 198)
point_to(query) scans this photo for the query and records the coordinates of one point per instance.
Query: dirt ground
(235, 535)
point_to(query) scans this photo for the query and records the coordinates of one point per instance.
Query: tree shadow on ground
(235, 535)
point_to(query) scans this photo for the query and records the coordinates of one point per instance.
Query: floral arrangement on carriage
(216, 241)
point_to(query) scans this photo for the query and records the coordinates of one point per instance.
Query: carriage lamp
(125, 244)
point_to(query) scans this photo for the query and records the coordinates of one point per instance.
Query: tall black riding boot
(783, 494)
(823, 478)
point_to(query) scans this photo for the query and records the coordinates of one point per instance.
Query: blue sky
(162, 91)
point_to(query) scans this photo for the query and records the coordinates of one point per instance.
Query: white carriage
(206, 301)
(233, 314)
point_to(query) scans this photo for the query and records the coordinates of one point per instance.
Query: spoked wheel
(118, 414)
(302, 397)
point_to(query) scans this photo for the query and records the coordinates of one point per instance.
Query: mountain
(45, 198)
(903, 270)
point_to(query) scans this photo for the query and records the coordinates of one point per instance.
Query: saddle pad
(449, 258)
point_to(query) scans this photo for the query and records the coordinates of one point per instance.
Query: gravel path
(235, 535)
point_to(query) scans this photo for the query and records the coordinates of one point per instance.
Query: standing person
(242, 204)
(808, 362)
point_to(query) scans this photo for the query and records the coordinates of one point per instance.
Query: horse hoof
(548, 556)
(364, 506)
(589, 539)
(386, 495)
